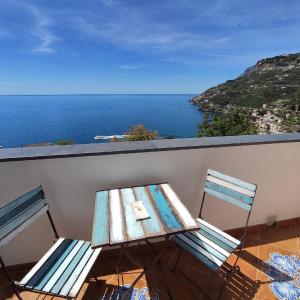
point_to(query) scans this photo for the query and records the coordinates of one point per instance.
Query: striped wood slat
(21, 227)
(70, 268)
(167, 215)
(218, 233)
(181, 210)
(230, 189)
(41, 262)
(152, 226)
(63, 269)
(134, 228)
(209, 244)
(247, 185)
(117, 224)
(48, 270)
(16, 215)
(212, 250)
(228, 199)
(70, 282)
(38, 191)
(229, 192)
(66, 261)
(79, 282)
(231, 186)
(170, 221)
(100, 234)
(22, 217)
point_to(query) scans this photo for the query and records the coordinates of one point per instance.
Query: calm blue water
(36, 119)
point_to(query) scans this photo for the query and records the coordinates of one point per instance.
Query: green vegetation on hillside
(270, 91)
(236, 122)
(270, 80)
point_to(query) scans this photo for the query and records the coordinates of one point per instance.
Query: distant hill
(275, 79)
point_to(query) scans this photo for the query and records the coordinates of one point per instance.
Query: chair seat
(62, 270)
(209, 244)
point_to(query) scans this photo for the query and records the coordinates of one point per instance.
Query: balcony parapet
(96, 149)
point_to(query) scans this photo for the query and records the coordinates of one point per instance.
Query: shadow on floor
(240, 286)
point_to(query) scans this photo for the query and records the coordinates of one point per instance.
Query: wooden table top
(115, 221)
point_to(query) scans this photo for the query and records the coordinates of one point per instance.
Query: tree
(114, 139)
(140, 133)
(237, 121)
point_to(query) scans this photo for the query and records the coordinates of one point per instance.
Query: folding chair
(211, 245)
(63, 269)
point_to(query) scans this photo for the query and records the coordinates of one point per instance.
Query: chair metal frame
(238, 250)
(16, 288)
(5, 270)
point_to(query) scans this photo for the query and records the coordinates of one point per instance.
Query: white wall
(70, 185)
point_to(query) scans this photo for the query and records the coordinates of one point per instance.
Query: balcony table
(116, 224)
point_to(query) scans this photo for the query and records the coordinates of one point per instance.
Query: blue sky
(138, 46)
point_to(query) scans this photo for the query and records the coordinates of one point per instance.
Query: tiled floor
(251, 283)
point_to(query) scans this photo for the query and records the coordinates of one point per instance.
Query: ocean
(39, 119)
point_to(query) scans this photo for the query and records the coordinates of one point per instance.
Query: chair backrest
(230, 189)
(18, 214)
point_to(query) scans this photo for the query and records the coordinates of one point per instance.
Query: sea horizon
(96, 94)
(39, 119)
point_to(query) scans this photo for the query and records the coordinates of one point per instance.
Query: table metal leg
(119, 261)
(162, 270)
(146, 268)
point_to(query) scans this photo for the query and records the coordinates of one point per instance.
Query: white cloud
(130, 29)
(168, 28)
(42, 30)
(40, 26)
(46, 41)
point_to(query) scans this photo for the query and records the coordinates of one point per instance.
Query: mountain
(270, 80)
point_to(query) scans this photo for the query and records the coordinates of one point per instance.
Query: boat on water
(109, 137)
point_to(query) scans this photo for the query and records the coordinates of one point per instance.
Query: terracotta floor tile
(250, 282)
(264, 254)
(281, 238)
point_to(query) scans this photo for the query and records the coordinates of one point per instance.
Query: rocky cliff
(269, 80)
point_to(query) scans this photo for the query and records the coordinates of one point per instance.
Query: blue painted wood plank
(77, 272)
(218, 231)
(20, 200)
(134, 228)
(42, 271)
(228, 199)
(247, 185)
(178, 207)
(170, 220)
(221, 243)
(220, 240)
(21, 218)
(152, 226)
(200, 249)
(55, 277)
(195, 253)
(18, 210)
(205, 246)
(223, 190)
(71, 267)
(52, 269)
(100, 234)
